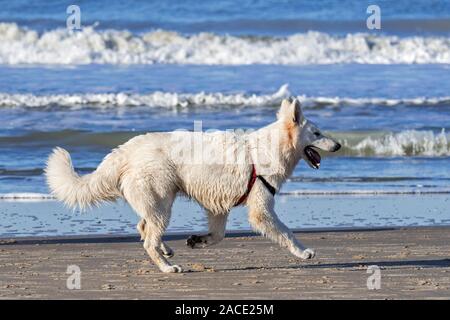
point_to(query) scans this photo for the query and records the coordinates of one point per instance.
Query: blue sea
(136, 67)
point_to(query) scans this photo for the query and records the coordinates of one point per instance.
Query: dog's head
(304, 135)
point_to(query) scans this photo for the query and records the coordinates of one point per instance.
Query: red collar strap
(250, 184)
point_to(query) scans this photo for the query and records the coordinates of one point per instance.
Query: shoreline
(171, 236)
(414, 263)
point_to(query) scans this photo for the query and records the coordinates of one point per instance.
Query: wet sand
(414, 263)
(50, 218)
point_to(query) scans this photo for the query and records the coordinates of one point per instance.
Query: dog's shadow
(438, 263)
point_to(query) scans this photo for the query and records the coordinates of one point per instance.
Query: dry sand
(414, 263)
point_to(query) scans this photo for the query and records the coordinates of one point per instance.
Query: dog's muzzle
(313, 157)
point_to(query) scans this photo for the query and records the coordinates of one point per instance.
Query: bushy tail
(91, 189)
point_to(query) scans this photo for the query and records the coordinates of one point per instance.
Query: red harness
(250, 184)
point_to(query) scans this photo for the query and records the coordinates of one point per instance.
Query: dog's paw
(193, 240)
(308, 254)
(172, 269)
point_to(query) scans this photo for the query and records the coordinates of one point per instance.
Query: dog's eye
(317, 134)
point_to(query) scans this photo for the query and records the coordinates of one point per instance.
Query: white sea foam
(404, 143)
(173, 99)
(26, 196)
(20, 45)
(39, 197)
(154, 99)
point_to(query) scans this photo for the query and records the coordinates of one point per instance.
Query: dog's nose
(337, 147)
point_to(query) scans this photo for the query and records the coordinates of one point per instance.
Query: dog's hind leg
(152, 243)
(217, 224)
(155, 207)
(166, 250)
(263, 219)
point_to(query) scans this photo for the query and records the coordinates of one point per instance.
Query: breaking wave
(201, 99)
(154, 99)
(19, 45)
(404, 143)
(408, 143)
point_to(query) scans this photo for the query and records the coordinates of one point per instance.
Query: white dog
(219, 170)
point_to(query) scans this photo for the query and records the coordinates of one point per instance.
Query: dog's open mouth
(313, 157)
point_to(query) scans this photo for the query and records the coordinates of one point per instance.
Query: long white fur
(148, 174)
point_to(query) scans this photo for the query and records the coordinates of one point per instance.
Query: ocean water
(137, 67)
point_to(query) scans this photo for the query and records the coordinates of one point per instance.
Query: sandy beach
(414, 264)
(359, 91)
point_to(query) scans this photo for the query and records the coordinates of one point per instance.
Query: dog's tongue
(316, 156)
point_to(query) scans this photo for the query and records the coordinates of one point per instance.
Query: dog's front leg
(263, 219)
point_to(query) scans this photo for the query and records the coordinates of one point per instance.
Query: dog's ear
(291, 111)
